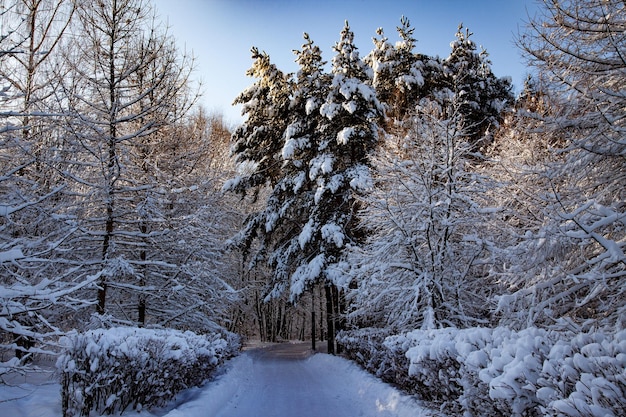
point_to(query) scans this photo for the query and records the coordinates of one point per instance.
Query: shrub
(108, 370)
(444, 365)
(365, 347)
(514, 364)
(585, 376)
(501, 372)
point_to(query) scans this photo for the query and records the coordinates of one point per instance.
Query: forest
(409, 211)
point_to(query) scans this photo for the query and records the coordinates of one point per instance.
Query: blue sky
(221, 32)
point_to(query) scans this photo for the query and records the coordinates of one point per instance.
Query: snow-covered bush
(444, 365)
(514, 364)
(433, 363)
(366, 347)
(478, 371)
(500, 372)
(422, 362)
(108, 370)
(585, 376)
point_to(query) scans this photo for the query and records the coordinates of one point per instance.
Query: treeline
(110, 177)
(420, 194)
(309, 140)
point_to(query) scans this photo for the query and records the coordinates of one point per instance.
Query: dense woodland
(373, 192)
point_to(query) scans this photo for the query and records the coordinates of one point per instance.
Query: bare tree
(39, 282)
(578, 49)
(424, 264)
(202, 291)
(127, 82)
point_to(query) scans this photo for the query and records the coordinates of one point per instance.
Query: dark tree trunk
(330, 318)
(313, 328)
(340, 310)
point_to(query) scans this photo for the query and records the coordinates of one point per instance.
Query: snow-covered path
(282, 380)
(285, 381)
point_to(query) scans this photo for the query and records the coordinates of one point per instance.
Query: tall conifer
(258, 141)
(482, 96)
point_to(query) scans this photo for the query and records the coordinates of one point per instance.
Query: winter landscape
(450, 247)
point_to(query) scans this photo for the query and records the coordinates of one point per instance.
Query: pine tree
(482, 96)
(287, 213)
(259, 140)
(292, 130)
(348, 136)
(258, 153)
(328, 130)
(397, 71)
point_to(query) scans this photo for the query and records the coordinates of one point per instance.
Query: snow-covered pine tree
(258, 142)
(382, 60)
(258, 153)
(292, 130)
(397, 70)
(341, 171)
(483, 97)
(288, 209)
(329, 129)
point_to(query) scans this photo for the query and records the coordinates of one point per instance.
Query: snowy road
(282, 380)
(286, 381)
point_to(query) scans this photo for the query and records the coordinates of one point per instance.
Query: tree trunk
(313, 319)
(330, 318)
(141, 308)
(313, 328)
(322, 335)
(340, 310)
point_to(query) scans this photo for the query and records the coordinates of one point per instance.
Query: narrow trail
(287, 380)
(282, 384)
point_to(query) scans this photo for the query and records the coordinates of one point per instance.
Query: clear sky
(221, 32)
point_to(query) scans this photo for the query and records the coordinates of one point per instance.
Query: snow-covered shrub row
(365, 347)
(108, 370)
(435, 364)
(501, 372)
(585, 376)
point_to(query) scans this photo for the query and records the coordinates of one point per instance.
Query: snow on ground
(36, 394)
(281, 380)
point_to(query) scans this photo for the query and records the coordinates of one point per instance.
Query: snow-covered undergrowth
(501, 372)
(109, 370)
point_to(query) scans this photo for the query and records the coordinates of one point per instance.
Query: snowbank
(108, 370)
